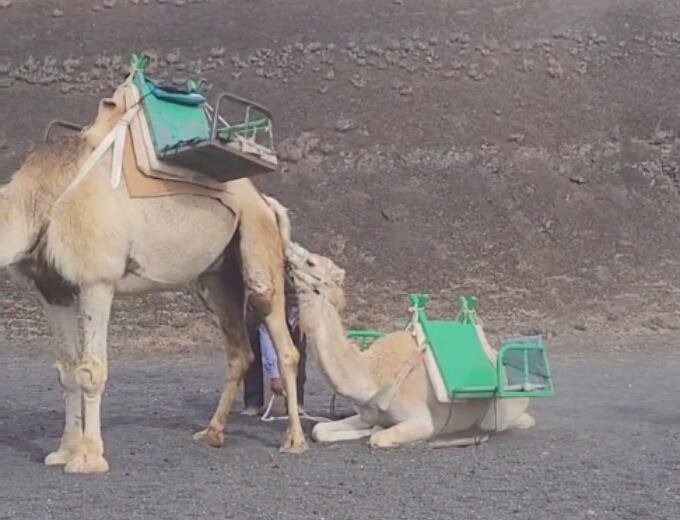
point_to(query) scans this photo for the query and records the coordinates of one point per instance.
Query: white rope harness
(267, 417)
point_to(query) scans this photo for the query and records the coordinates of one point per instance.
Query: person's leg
(301, 345)
(253, 387)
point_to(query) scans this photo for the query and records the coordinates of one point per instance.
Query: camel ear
(339, 276)
(106, 106)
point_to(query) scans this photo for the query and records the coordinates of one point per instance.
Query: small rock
(323, 89)
(330, 75)
(580, 327)
(517, 137)
(57, 13)
(554, 68)
(5, 3)
(577, 179)
(109, 4)
(180, 2)
(326, 148)
(345, 125)
(405, 90)
(96, 8)
(358, 81)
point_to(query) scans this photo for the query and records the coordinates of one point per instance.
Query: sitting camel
(84, 241)
(411, 412)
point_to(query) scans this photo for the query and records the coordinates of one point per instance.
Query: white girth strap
(432, 369)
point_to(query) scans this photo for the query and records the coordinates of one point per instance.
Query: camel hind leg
(263, 265)
(223, 294)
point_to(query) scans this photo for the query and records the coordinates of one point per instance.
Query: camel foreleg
(347, 429)
(418, 428)
(91, 375)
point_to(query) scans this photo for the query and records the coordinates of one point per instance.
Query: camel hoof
(524, 422)
(294, 444)
(85, 464)
(294, 448)
(210, 437)
(59, 457)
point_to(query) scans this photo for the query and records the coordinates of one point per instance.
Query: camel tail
(282, 219)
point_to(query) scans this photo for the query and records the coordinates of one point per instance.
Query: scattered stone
(96, 8)
(172, 57)
(405, 90)
(580, 327)
(345, 125)
(323, 89)
(358, 81)
(326, 148)
(180, 2)
(109, 4)
(5, 3)
(217, 52)
(330, 75)
(57, 13)
(577, 180)
(554, 68)
(517, 137)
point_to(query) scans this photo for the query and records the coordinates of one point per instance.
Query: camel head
(315, 276)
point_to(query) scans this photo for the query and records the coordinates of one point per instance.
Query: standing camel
(82, 242)
(387, 383)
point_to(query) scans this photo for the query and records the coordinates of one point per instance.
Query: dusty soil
(525, 152)
(522, 151)
(589, 457)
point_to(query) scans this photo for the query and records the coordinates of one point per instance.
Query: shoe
(251, 411)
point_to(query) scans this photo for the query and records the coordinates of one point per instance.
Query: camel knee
(261, 295)
(322, 432)
(91, 375)
(66, 374)
(239, 364)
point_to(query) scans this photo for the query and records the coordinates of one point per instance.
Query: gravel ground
(524, 152)
(605, 447)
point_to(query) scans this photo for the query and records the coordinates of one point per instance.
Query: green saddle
(186, 133)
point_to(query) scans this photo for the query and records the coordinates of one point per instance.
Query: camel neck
(340, 361)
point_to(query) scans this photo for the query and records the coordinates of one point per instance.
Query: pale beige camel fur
(411, 412)
(81, 244)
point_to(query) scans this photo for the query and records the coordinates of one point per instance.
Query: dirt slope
(526, 152)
